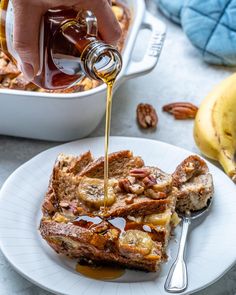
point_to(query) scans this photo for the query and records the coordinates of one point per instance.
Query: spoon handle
(177, 279)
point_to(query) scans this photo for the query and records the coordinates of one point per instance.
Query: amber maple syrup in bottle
(69, 46)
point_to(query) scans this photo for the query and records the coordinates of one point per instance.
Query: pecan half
(139, 172)
(181, 110)
(146, 115)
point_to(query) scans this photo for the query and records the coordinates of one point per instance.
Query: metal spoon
(177, 279)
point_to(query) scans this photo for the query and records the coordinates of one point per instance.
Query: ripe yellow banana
(215, 125)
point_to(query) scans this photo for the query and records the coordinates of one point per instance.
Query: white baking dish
(63, 117)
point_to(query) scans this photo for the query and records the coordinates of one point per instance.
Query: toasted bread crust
(82, 243)
(72, 164)
(119, 165)
(141, 206)
(64, 174)
(190, 167)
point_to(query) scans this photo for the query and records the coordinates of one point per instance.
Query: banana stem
(234, 178)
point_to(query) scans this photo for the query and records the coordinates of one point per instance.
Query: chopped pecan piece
(10, 70)
(139, 172)
(77, 210)
(64, 204)
(131, 179)
(6, 82)
(48, 206)
(21, 83)
(146, 116)
(155, 195)
(181, 110)
(130, 199)
(3, 62)
(149, 181)
(124, 185)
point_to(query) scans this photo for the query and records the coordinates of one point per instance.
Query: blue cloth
(210, 25)
(171, 9)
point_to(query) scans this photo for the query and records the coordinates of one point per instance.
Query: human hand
(28, 15)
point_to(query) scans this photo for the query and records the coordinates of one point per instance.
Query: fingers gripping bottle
(69, 47)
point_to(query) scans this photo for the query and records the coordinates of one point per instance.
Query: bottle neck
(101, 61)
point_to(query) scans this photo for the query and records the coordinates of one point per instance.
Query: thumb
(26, 37)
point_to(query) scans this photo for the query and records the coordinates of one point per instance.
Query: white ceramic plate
(211, 246)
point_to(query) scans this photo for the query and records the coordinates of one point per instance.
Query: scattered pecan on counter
(146, 116)
(181, 110)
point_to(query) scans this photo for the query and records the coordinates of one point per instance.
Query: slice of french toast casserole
(135, 228)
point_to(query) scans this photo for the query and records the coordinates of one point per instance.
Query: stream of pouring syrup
(107, 137)
(110, 69)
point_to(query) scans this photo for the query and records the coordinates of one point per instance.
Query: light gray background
(181, 75)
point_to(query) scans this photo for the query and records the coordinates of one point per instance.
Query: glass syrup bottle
(69, 47)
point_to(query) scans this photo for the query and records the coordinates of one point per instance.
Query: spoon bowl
(196, 214)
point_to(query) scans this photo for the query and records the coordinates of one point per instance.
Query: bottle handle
(91, 22)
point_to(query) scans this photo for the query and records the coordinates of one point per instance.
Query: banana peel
(215, 126)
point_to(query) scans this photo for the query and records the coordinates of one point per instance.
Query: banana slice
(132, 242)
(175, 220)
(60, 218)
(91, 192)
(159, 219)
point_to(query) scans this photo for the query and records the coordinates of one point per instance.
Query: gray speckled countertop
(180, 75)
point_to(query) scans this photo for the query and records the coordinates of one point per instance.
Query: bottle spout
(102, 62)
(107, 66)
